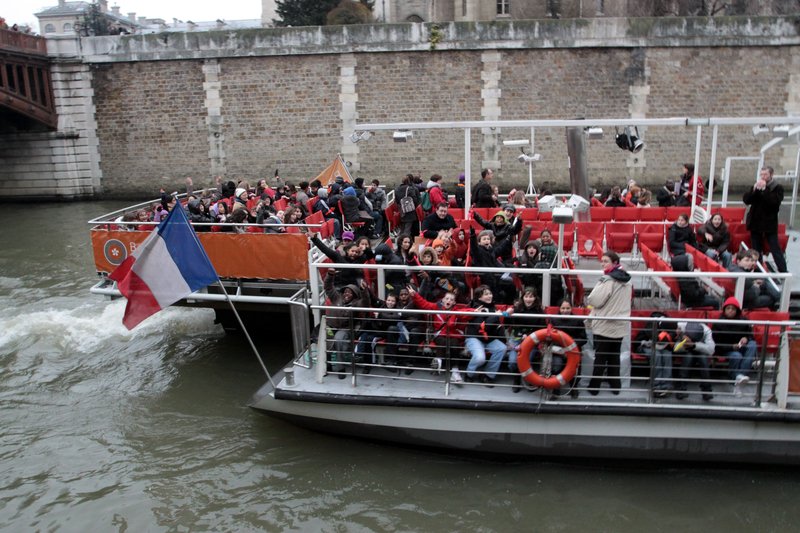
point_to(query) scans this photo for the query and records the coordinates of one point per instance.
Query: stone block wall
(151, 122)
(246, 104)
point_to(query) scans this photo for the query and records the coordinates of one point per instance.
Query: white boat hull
(575, 429)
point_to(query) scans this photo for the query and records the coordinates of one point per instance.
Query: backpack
(425, 201)
(407, 204)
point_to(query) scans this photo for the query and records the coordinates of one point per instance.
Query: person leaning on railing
(351, 255)
(485, 332)
(447, 331)
(344, 323)
(385, 323)
(520, 327)
(577, 331)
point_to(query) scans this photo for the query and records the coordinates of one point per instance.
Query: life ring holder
(572, 354)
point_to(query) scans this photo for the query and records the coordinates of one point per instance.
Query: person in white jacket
(694, 343)
(611, 297)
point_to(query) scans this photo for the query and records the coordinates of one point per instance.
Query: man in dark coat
(765, 200)
(482, 194)
(439, 220)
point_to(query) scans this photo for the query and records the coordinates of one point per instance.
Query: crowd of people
(502, 303)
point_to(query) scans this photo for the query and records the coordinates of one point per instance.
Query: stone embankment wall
(242, 104)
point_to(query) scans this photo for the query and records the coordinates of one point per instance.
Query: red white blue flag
(168, 266)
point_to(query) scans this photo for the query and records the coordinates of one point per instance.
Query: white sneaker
(455, 377)
(436, 365)
(742, 379)
(737, 391)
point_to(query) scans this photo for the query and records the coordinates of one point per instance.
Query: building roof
(69, 8)
(189, 26)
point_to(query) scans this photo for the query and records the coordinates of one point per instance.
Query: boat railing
(416, 352)
(548, 275)
(299, 313)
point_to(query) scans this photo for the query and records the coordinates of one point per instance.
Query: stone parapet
(414, 37)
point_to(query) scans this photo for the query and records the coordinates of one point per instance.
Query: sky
(21, 11)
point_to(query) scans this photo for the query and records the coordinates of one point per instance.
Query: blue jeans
(741, 361)
(723, 258)
(662, 377)
(477, 351)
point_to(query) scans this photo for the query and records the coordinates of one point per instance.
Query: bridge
(25, 84)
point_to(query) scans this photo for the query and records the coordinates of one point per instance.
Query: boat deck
(424, 388)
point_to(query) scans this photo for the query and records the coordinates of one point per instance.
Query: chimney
(115, 10)
(103, 6)
(61, 3)
(142, 20)
(132, 16)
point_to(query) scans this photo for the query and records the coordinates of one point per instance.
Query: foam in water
(89, 326)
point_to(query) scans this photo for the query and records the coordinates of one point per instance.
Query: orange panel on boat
(245, 255)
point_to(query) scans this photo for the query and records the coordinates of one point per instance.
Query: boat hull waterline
(573, 430)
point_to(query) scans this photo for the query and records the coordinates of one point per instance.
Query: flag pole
(246, 334)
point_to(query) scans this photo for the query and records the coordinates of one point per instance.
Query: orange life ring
(572, 354)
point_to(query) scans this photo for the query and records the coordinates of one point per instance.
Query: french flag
(168, 266)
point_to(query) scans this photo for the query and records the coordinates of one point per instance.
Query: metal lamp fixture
(593, 132)
(629, 139)
(527, 158)
(760, 128)
(401, 136)
(781, 131)
(357, 136)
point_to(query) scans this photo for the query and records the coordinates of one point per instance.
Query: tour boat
(756, 421)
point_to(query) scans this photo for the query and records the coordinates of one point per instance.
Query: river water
(109, 430)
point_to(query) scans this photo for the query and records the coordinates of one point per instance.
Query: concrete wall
(245, 103)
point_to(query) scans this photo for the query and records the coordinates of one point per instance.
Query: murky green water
(102, 429)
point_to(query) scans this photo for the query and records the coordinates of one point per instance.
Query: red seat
(619, 237)
(315, 218)
(736, 240)
(730, 214)
(392, 213)
(310, 204)
(530, 213)
(626, 214)
(654, 241)
(569, 235)
(327, 229)
(783, 240)
(537, 227)
(601, 214)
(652, 214)
(673, 212)
(773, 332)
(281, 205)
(545, 217)
(590, 239)
(485, 212)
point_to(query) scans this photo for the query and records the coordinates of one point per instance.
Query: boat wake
(87, 349)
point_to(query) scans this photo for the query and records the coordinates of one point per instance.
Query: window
(67, 27)
(502, 7)
(49, 28)
(463, 8)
